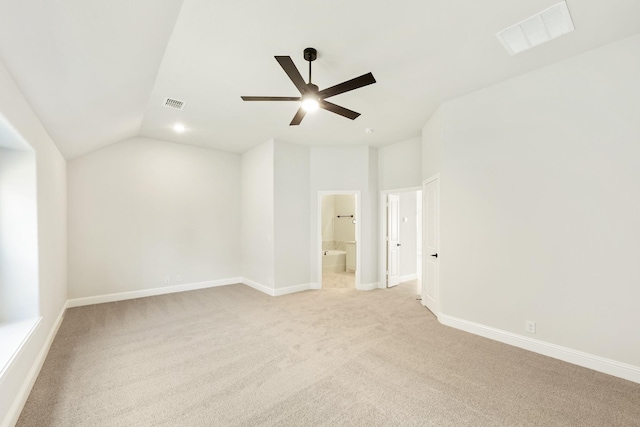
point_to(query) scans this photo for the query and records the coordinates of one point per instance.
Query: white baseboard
(258, 286)
(597, 363)
(121, 296)
(408, 277)
(367, 286)
(278, 291)
(21, 398)
(315, 285)
(292, 289)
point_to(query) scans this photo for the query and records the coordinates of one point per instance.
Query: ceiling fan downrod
(310, 54)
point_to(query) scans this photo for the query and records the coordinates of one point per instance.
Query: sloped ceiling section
(421, 52)
(87, 67)
(97, 71)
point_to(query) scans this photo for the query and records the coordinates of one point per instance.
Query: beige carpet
(342, 280)
(232, 356)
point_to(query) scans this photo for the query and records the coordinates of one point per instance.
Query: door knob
(398, 244)
(435, 255)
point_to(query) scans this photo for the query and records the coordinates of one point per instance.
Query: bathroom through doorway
(339, 229)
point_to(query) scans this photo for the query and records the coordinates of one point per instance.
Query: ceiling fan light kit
(310, 103)
(311, 98)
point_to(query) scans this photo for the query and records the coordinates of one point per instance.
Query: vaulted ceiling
(96, 72)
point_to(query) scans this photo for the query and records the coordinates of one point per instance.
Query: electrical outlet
(179, 278)
(167, 279)
(530, 327)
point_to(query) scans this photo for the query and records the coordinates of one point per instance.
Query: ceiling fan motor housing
(310, 54)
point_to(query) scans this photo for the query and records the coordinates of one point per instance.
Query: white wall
(399, 165)
(18, 235)
(291, 214)
(432, 136)
(347, 169)
(52, 241)
(144, 209)
(257, 213)
(540, 203)
(408, 234)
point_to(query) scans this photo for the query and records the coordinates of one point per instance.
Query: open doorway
(401, 239)
(339, 231)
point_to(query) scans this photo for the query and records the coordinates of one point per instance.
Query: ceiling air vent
(173, 103)
(539, 28)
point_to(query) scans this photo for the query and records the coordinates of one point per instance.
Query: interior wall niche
(18, 228)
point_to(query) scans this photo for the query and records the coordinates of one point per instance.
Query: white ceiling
(97, 72)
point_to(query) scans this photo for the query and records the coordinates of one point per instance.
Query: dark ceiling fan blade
(290, 68)
(329, 106)
(298, 117)
(363, 80)
(270, 98)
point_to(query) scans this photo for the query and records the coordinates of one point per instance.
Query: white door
(393, 240)
(431, 235)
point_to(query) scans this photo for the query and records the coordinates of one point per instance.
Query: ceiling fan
(311, 98)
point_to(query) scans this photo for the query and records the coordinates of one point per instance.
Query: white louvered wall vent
(174, 103)
(537, 29)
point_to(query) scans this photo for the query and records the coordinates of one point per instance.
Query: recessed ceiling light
(537, 29)
(179, 127)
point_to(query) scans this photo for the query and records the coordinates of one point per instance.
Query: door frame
(358, 234)
(425, 255)
(382, 235)
(393, 253)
